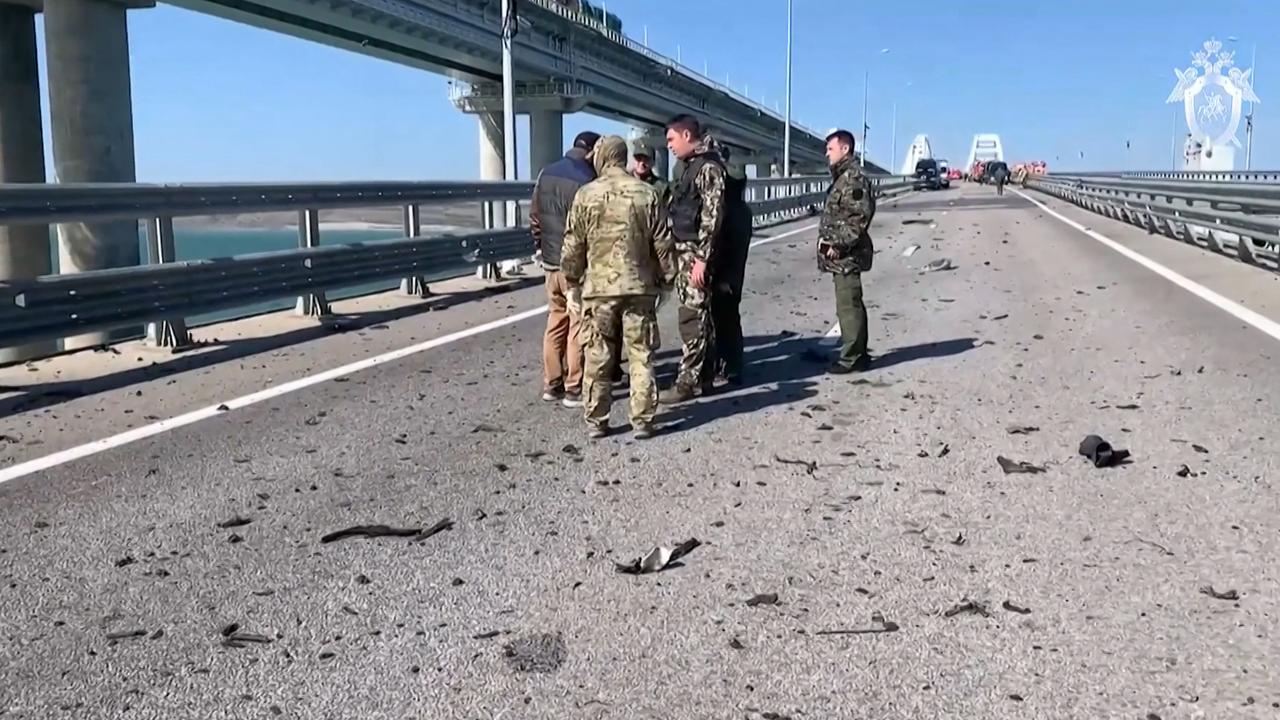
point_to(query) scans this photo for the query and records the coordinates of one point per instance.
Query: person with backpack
(845, 249)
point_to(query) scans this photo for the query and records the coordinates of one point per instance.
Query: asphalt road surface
(913, 577)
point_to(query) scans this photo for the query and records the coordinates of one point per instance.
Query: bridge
(924, 538)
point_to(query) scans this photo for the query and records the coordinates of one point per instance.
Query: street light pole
(508, 102)
(1248, 121)
(893, 147)
(866, 76)
(786, 133)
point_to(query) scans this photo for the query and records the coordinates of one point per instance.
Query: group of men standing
(614, 242)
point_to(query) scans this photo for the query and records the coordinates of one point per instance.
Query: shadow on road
(41, 395)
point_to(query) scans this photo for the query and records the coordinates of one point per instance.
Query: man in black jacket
(553, 195)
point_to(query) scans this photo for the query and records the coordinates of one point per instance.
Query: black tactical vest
(686, 205)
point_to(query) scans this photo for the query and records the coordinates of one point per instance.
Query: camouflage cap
(610, 151)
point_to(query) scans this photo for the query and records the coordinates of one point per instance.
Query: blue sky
(217, 101)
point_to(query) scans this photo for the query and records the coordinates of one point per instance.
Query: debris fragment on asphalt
(1128, 406)
(486, 635)
(878, 625)
(911, 250)
(1185, 471)
(1200, 449)
(486, 427)
(442, 525)
(916, 221)
(736, 644)
(938, 266)
(763, 599)
(1017, 466)
(810, 466)
(241, 639)
(1021, 429)
(570, 449)
(960, 539)
(235, 521)
(1227, 595)
(968, 606)
(370, 531)
(658, 559)
(1100, 452)
(126, 634)
(1014, 608)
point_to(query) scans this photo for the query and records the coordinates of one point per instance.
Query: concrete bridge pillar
(492, 160)
(91, 114)
(546, 139)
(24, 249)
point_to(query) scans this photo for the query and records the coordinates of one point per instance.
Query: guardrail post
(313, 304)
(165, 332)
(415, 285)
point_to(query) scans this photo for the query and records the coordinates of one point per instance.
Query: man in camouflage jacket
(618, 253)
(845, 249)
(697, 210)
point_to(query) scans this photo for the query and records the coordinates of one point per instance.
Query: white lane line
(130, 436)
(1261, 322)
(786, 234)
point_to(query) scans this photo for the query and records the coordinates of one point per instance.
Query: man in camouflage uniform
(618, 254)
(643, 170)
(845, 249)
(697, 209)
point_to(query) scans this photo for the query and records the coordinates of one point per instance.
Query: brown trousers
(561, 346)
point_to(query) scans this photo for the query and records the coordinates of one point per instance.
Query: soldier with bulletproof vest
(697, 210)
(618, 253)
(845, 249)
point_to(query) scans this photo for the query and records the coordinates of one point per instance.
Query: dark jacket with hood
(553, 194)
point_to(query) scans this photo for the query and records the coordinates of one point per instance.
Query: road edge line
(1240, 312)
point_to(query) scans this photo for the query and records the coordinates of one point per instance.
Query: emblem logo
(1212, 91)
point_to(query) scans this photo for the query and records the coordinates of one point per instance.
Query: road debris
(1021, 429)
(235, 521)
(878, 625)
(911, 250)
(810, 466)
(126, 634)
(763, 599)
(1100, 452)
(373, 531)
(1185, 471)
(486, 427)
(658, 559)
(968, 606)
(938, 265)
(1014, 608)
(1227, 595)
(1017, 466)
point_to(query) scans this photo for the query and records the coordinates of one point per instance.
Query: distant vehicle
(926, 175)
(989, 171)
(955, 174)
(944, 174)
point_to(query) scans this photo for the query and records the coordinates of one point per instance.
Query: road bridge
(863, 554)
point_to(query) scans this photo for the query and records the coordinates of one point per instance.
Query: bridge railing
(164, 292)
(1236, 214)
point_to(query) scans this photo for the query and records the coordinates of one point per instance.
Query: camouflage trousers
(610, 327)
(697, 332)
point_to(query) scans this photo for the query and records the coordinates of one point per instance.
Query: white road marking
(1261, 322)
(141, 433)
(786, 234)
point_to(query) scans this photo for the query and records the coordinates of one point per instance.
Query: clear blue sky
(217, 101)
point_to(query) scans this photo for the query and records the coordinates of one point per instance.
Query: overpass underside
(840, 517)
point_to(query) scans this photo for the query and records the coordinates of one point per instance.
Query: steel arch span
(986, 146)
(920, 149)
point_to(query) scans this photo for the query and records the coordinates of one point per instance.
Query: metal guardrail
(1233, 217)
(163, 293)
(1256, 176)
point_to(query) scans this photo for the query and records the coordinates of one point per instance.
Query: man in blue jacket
(553, 195)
